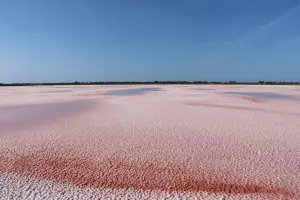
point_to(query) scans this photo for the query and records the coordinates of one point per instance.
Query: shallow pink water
(16, 117)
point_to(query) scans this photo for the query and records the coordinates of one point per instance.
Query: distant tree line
(152, 82)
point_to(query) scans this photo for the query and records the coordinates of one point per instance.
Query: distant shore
(154, 83)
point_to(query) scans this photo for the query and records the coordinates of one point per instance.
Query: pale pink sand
(177, 143)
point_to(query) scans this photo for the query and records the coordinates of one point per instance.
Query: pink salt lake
(176, 142)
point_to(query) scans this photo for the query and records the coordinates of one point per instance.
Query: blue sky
(119, 40)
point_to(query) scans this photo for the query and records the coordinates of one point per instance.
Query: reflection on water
(202, 89)
(55, 91)
(134, 91)
(267, 95)
(15, 117)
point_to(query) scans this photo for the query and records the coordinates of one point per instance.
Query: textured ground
(182, 142)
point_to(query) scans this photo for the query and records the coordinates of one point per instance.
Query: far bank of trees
(152, 83)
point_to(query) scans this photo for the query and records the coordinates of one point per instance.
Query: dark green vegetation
(153, 83)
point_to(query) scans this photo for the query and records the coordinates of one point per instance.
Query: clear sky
(145, 40)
